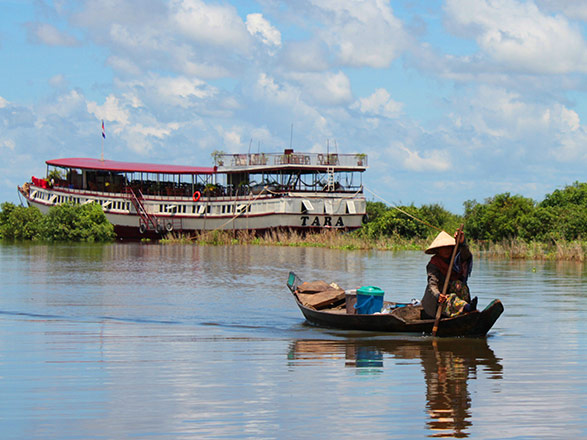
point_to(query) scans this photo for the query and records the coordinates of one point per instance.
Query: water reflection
(447, 364)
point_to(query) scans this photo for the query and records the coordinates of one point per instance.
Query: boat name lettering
(327, 221)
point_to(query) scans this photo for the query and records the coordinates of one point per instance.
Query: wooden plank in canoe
(314, 287)
(321, 300)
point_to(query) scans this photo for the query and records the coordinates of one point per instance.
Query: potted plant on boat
(218, 156)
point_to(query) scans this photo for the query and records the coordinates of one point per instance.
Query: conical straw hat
(441, 240)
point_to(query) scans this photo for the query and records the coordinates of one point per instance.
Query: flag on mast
(103, 132)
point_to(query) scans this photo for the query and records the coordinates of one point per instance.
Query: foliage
(66, 222)
(499, 218)
(562, 215)
(374, 210)
(73, 222)
(575, 194)
(386, 221)
(54, 175)
(20, 223)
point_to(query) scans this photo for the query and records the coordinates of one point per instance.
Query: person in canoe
(458, 299)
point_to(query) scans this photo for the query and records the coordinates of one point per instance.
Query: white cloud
(499, 113)
(160, 131)
(520, 36)
(123, 65)
(171, 91)
(574, 9)
(44, 33)
(218, 25)
(324, 88)
(305, 56)
(112, 110)
(70, 104)
(232, 141)
(379, 104)
(434, 160)
(3, 102)
(363, 33)
(7, 143)
(267, 88)
(258, 25)
(58, 81)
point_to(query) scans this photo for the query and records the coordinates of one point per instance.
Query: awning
(127, 167)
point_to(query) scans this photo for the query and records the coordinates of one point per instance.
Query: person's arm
(435, 278)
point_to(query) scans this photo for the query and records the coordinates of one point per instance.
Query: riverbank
(507, 249)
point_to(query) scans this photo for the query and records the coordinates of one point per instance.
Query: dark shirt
(437, 276)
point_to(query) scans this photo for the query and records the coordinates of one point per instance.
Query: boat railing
(311, 160)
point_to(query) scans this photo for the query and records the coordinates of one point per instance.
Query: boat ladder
(330, 179)
(146, 221)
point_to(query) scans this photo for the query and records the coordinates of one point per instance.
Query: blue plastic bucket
(369, 300)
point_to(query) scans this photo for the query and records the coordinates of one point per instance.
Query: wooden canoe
(404, 318)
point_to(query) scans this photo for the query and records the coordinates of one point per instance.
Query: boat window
(201, 209)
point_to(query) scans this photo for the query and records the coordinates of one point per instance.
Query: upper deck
(290, 160)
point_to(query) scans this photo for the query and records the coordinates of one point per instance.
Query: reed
(332, 239)
(325, 239)
(522, 250)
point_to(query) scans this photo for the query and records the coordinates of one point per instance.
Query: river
(131, 340)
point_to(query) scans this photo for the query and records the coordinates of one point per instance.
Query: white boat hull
(301, 211)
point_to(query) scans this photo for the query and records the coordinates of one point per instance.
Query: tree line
(562, 215)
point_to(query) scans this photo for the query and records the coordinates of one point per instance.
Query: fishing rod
(393, 205)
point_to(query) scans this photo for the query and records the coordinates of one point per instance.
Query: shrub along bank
(66, 222)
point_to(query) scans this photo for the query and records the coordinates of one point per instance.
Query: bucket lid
(370, 290)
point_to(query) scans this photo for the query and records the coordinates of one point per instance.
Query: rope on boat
(393, 205)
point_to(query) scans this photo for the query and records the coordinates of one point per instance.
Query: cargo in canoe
(332, 310)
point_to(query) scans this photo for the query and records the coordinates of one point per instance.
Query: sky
(451, 100)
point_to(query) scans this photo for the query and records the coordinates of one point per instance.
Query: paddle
(447, 280)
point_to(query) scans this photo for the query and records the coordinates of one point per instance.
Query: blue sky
(452, 100)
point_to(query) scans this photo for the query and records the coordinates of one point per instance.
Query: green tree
(20, 223)
(394, 222)
(437, 215)
(575, 194)
(499, 218)
(375, 209)
(72, 222)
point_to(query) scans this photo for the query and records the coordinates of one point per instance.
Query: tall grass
(534, 250)
(332, 239)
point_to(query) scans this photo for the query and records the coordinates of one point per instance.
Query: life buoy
(142, 228)
(169, 227)
(196, 196)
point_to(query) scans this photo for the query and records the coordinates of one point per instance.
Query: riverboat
(241, 192)
(335, 309)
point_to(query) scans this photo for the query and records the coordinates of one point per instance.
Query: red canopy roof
(128, 167)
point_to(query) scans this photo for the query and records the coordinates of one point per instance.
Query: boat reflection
(448, 364)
